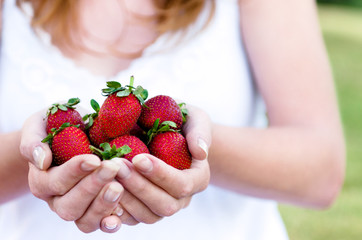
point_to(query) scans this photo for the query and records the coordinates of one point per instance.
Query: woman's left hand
(156, 189)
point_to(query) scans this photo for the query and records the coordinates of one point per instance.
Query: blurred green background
(341, 24)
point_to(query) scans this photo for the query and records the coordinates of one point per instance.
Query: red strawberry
(163, 107)
(62, 113)
(96, 134)
(138, 132)
(171, 147)
(66, 142)
(93, 127)
(121, 109)
(136, 145)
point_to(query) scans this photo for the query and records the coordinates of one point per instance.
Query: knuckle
(141, 187)
(152, 220)
(34, 190)
(65, 214)
(204, 185)
(170, 209)
(57, 188)
(129, 220)
(148, 217)
(85, 228)
(186, 190)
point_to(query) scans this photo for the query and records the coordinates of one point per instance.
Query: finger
(74, 203)
(127, 218)
(111, 224)
(137, 209)
(178, 183)
(59, 180)
(102, 206)
(31, 147)
(198, 130)
(154, 197)
(123, 214)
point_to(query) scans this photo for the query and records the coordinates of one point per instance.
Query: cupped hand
(155, 189)
(81, 190)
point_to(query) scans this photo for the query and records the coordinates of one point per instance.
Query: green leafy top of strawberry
(55, 131)
(184, 112)
(109, 152)
(116, 87)
(166, 126)
(91, 116)
(64, 107)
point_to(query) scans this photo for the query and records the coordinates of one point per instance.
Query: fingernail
(118, 211)
(111, 225)
(142, 163)
(108, 170)
(90, 165)
(113, 193)
(202, 144)
(124, 171)
(39, 157)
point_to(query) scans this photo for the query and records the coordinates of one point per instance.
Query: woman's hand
(81, 190)
(155, 189)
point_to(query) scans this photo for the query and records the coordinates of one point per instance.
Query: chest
(117, 31)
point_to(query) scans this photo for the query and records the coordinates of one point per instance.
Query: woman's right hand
(81, 190)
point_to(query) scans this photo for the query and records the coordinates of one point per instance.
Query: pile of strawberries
(124, 126)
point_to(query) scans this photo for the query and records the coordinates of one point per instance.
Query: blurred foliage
(355, 3)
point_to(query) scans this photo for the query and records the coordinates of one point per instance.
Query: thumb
(198, 132)
(31, 147)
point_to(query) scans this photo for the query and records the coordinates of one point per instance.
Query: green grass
(342, 30)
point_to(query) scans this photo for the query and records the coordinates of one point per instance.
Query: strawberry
(136, 145)
(163, 107)
(169, 145)
(121, 109)
(138, 132)
(66, 142)
(58, 114)
(93, 127)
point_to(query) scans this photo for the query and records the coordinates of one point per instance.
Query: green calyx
(109, 152)
(184, 111)
(116, 87)
(90, 117)
(166, 126)
(64, 107)
(54, 131)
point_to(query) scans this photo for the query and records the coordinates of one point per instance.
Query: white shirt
(209, 70)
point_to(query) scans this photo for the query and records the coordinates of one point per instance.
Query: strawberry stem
(109, 152)
(166, 126)
(116, 87)
(64, 107)
(54, 131)
(91, 116)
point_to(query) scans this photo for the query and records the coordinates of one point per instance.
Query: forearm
(13, 168)
(289, 164)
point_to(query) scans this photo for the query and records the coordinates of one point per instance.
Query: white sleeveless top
(208, 71)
